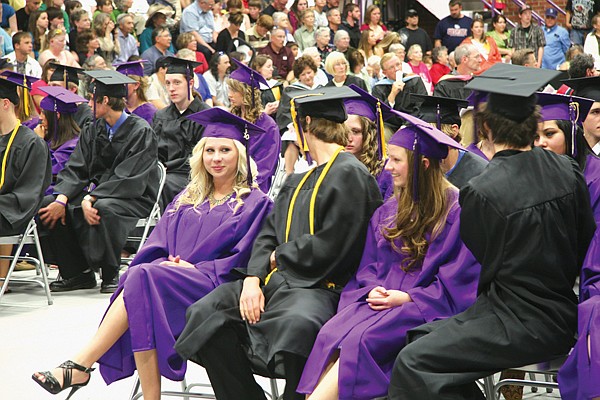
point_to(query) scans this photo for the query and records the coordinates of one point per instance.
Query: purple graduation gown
(156, 297)
(578, 378)
(386, 184)
(369, 341)
(475, 150)
(59, 158)
(31, 123)
(269, 147)
(146, 111)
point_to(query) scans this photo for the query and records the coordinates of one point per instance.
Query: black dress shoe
(109, 285)
(86, 280)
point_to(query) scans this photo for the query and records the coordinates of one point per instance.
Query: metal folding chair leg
(185, 391)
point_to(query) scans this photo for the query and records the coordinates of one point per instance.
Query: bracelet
(62, 203)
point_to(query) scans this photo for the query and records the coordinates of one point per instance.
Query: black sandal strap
(70, 365)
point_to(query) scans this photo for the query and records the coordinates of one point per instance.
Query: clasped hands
(381, 299)
(177, 262)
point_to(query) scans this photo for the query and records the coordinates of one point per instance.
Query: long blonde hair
(201, 182)
(414, 220)
(369, 156)
(251, 114)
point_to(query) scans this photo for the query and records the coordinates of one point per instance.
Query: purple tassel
(415, 181)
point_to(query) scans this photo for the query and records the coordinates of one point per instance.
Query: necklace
(214, 202)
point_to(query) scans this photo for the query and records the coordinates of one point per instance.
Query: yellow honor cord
(381, 132)
(5, 158)
(294, 114)
(268, 278)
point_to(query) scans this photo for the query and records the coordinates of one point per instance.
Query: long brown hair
(246, 111)
(414, 220)
(369, 156)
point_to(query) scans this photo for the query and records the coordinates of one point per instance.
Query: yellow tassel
(381, 132)
(294, 114)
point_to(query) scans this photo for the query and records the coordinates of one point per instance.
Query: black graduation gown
(125, 175)
(452, 88)
(468, 167)
(28, 174)
(297, 300)
(177, 137)
(527, 219)
(283, 116)
(83, 115)
(404, 101)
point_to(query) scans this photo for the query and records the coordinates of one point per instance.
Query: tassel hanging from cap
(382, 148)
(574, 116)
(438, 117)
(416, 160)
(25, 93)
(248, 164)
(296, 123)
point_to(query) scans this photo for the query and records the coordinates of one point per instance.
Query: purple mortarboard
(562, 107)
(440, 110)
(371, 108)
(588, 87)
(19, 79)
(219, 123)
(422, 139)
(60, 100)
(65, 74)
(247, 75)
(131, 67)
(181, 66)
(325, 102)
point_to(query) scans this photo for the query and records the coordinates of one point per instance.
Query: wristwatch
(89, 198)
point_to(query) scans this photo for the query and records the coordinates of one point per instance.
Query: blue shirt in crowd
(557, 44)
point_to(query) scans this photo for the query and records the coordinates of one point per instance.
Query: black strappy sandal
(51, 383)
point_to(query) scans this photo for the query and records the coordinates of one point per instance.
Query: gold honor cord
(5, 158)
(313, 201)
(381, 132)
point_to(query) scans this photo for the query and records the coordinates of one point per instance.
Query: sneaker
(109, 285)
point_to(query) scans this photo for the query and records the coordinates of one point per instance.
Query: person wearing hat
(68, 77)
(207, 232)
(58, 127)
(109, 183)
(527, 35)
(557, 41)
(527, 220)
(589, 87)
(415, 269)
(245, 97)
(460, 165)
(412, 34)
(177, 135)
(25, 109)
(137, 102)
(25, 170)
(298, 266)
(157, 16)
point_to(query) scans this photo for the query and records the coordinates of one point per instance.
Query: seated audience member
(588, 88)
(322, 42)
(216, 77)
(245, 98)
(198, 19)
(177, 134)
(373, 22)
(6, 46)
(9, 19)
(157, 17)
(557, 41)
(350, 23)
(341, 42)
(97, 203)
(68, 78)
(281, 20)
(270, 96)
(25, 13)
(488, 50)
(396, 92)
(516, 313)
(136, 102)
(200, 84)
(36, 93)
(501, 36)
(334, 18)
(161, 40)
(224, 213)
(570, 55)
(296, 9)
(452, 85)
(524, 57)
(282, 57)
(358, 67)
(254, 11)
(56, 19)
(87, 45)
(38, 26)
(230, 38)
(258, 36)
(415, 269)
(188, 41)
(58, 127)
(56, 49)
(367, 43)
(81, 21)
(22, 58)
(389, 39)
(439, 56)
(321, 77)
(289, 291)
(25, 174)
(157, 92)
(305, 34)
(338, 67)
(418, 67)
(400, 51)
(127, 42)
(109, 45)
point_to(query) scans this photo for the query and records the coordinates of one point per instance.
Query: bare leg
(327, 388)
(290, 157)
(146, 363)
(5, 250)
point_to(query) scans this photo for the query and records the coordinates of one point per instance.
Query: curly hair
(407, 230)
(246, 111)
(302, 63)
(506, 131)
(369, 156)
(201, 182)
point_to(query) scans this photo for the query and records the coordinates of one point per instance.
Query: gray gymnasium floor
(38, 337)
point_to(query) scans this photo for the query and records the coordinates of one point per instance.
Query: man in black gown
(527, 219)
(176, 134)
(109, 182)
(300, 262)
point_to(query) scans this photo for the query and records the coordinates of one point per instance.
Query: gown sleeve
(75, 176)
(264, 244)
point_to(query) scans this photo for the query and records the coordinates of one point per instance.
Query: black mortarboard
(512, 89)
(440, 110)
(181, 66)
(5, 64)
(109, 83)
(588, 87)
(325, 102)
(65, 74)
(8, 86)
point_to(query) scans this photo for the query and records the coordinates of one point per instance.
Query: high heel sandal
(51, 383)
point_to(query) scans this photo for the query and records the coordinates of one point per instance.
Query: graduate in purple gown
(245, 97)
(205, 232)
(414, 269)
(366, 138)
(136, 94)
(58, 127)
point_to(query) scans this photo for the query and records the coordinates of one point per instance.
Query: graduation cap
(440, 110)
(588, 87)
(109, 83)
(181, 66)
(6, 64)
(60, 100)
(569, 108)
(325, 102)
(219, 123)
(373, 109)
(8, 89)
(65, 74)
(131, 67)
(512, 89)
(250, 77)
(422, 139)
